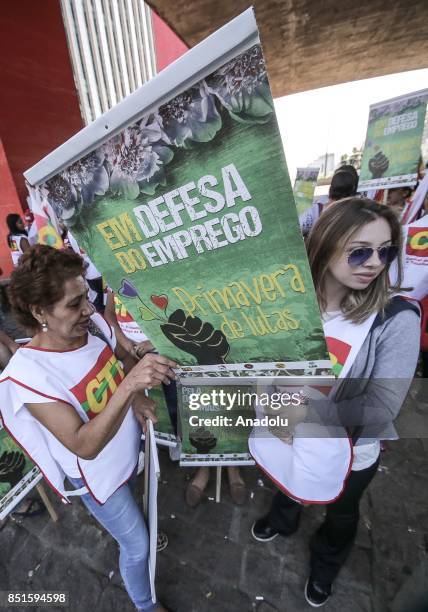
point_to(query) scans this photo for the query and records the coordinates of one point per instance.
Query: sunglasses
(357, 257)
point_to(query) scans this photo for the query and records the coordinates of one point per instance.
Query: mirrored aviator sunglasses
(359, 256)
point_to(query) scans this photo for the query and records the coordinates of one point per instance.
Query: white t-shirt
(16, 250)
(364, 454)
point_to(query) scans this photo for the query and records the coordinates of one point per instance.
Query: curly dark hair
(39, 280)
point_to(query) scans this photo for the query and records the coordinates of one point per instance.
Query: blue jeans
(122, 518)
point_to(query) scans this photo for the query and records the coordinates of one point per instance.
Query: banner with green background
(304, 188)
(393, 143)
(190, 215)
(163, 428)
(188, 211)
(212, 434)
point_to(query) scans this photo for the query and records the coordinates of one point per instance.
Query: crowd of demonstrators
(73, 426)
(54, 406)
(350, 249)
(344, 184)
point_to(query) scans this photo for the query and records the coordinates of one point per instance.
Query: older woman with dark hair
(67, 401)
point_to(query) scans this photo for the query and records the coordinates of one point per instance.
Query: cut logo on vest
(96, 388)
(339, 352)
(122, 314)
(417, 241)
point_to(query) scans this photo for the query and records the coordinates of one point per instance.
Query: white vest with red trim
(314, 469)
(15, 250)
(414, 258)
(127, 323)
(84, 378)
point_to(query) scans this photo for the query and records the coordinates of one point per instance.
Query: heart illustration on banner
(161, 301)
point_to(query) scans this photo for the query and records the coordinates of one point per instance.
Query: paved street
(212, 564)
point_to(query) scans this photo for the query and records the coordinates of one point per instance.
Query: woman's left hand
(144, 408)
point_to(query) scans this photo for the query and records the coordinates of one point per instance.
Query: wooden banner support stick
(45, 499)
(218, 485)
(146, 474)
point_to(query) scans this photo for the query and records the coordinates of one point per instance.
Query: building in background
(354, 158)
(115, 47)
(326, 164)
(64, 64)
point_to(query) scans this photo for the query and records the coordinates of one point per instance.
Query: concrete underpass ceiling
(315, 43)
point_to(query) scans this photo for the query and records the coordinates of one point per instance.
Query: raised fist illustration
(378, 165)
(11, 467)
(196, 337)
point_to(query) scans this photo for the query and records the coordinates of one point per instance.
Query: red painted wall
(168, 46)
(9, 202)
(39, 108)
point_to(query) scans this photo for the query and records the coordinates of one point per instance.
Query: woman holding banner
(350, 250)
(67, 402)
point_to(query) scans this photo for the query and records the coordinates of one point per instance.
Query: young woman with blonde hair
(350, 250)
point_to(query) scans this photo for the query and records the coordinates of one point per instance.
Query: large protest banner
(18, 475)
(393, 143)
(304, 188)
(181, 197)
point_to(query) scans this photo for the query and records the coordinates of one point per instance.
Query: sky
(334, 119)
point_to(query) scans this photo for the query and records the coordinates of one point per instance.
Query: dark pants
(332, 543)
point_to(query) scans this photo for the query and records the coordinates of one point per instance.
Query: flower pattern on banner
(134, 162)
(136, 159)
(190, 117)
(78, 185)
(242, 87)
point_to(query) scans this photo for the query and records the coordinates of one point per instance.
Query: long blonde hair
(329, 236)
